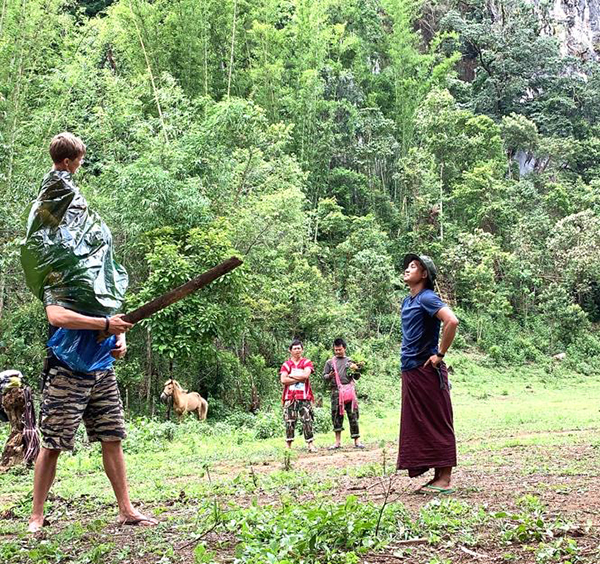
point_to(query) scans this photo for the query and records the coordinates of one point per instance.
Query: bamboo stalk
(2, 15)
(149, 67)
(232, 47)
(2, 285)
(204, 37)
(16, 102)
(442, 202)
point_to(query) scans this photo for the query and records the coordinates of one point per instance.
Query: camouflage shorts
(69, 397)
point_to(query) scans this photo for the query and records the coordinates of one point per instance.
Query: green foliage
(268, 424)
(318, 532)
(440, 518)
(9, 550)
(479, 266)
(575, 247)
(532, 525)
(561, 550)
(184, 329)
(202, 555)
(518, 69)
(21, 332)
(319, 141)
(519, 134)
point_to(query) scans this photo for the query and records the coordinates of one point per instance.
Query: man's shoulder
(430, 301)
(428, 295)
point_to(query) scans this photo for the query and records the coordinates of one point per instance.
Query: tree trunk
(149, 367)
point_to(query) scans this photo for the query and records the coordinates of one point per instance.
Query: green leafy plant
(325, 532)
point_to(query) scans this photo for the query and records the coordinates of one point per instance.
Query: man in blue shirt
(426, 423)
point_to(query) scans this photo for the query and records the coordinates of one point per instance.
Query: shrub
(269, 424)
(323, 422)
(241, 420)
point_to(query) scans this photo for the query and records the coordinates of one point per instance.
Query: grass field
(527, 487)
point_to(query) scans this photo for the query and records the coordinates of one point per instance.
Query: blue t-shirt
(420, 328)
(79, 349)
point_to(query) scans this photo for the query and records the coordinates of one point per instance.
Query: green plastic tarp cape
(67, 253)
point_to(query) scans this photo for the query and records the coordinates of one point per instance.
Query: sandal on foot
(435, 490)
(334, 447)
(418, 490)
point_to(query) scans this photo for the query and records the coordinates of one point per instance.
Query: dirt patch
(565, 479)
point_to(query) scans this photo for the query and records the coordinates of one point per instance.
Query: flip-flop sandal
(418, 491)
(435, 490)
(334, 447)
(359, 446)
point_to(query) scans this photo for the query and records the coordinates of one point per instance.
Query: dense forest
(320, 142)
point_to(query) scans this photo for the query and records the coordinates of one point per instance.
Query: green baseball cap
(427, 264)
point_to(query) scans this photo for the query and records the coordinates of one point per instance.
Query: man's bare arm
(59, 316)
(450, 321)
(288, 379)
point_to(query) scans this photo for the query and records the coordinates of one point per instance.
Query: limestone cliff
(576, 23)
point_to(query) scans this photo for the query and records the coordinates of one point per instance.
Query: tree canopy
(321, 141)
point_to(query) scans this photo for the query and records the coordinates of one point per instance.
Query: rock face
(576, 23)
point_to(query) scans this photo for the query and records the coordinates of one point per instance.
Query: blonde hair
(65, 145)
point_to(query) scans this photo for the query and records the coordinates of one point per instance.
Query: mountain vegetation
(320, 142)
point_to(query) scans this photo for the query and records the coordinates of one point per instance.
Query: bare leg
(114, 466)
(338, 439)
(45, 470)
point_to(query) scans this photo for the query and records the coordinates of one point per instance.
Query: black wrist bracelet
(441, 355)
(106, 324)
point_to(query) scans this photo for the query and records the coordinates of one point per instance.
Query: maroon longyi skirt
(426, 422)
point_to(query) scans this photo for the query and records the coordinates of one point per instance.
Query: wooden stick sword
(101, 357)
(157, 304)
